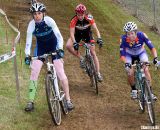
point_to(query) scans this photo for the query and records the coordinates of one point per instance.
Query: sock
(133, 87)
(32, 90)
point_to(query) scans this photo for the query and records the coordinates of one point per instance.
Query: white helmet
(130, 26)
(37, 7)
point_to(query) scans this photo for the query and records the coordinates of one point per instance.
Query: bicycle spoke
(53, 102)
(141, 99)
(92, 72)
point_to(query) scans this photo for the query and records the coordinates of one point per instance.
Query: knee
(130, 72)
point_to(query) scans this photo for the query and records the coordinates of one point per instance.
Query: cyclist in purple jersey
(132, 48)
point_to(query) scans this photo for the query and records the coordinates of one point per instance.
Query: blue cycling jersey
(134, 48)
(47, 35)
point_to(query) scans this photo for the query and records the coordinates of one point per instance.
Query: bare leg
(130, 74)
(62, 77)
(95, 58)
(65, 87)
(70, 48)
(148, 76)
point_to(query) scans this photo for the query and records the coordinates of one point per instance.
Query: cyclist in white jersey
(48, 39)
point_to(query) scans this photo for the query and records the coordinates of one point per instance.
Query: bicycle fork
(139, 77)
(51, 69)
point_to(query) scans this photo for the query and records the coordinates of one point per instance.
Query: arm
(150, 45)
(72, 32)
(154, 52)
(122, 51)
(30, 30)
(56, 31)
(96, 29)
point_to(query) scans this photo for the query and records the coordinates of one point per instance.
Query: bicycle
(90, 65)
(55, 96)
(144, 91)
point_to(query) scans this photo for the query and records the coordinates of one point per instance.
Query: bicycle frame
(51, 70)
(87, 48)
(139, 71)
(90, 65)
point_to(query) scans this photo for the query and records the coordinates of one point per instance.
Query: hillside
(112, 109)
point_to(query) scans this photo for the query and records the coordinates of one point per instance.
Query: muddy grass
(112, 109)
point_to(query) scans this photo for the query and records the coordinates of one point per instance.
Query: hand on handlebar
(76, 46)
(60, 53)
(100, 42)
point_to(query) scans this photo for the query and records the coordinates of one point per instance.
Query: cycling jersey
(135, 48)
(83, 28)
(47, 35)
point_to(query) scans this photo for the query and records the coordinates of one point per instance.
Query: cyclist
(131, 49)
(80, 29)
(48, 39)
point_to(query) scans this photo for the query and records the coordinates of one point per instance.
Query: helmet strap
(43, 15)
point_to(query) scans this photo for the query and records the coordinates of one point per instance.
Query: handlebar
(85, 44)
(143, 63)
(43, 56)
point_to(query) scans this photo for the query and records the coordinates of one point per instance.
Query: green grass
(6, 36)
(110, 19)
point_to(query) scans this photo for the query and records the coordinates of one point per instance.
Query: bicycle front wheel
(53, 102)
(92, 73)
(149, 102)
(141, 99)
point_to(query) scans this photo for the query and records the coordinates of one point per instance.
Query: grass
(6, 36)
(112, 109)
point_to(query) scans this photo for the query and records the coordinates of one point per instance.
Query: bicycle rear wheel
(53, 102)
(149, 102)
(92, 73)
(63, 101)
(63, 104)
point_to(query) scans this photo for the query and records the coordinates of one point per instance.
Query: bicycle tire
(53, 102)
(149, 102)
(141, 99)
(92, 73)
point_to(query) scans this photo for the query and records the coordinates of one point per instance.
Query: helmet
(130, 26)
(37, 7)
(80, 9)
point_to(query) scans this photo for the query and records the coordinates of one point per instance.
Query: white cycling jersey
(31, 28)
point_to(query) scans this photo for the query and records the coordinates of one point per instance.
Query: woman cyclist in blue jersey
(48, 39)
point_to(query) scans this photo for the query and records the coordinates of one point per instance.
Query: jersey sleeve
(30, 31)
(147, 41)
(122, 48)
(73, 22)
(91, 19)
(50, 22)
